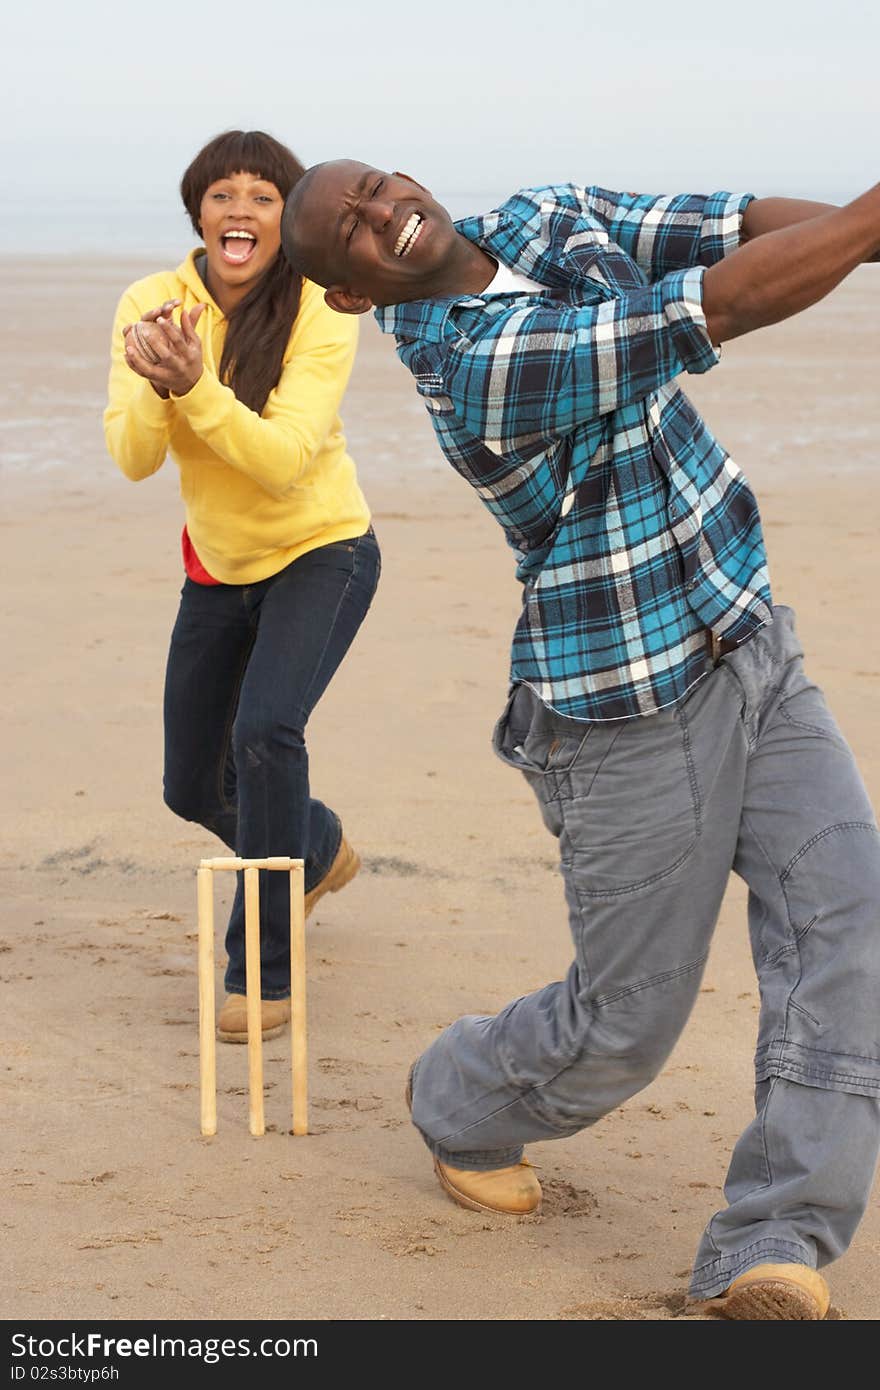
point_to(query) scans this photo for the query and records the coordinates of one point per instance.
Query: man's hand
(170, 358)
(788, 262)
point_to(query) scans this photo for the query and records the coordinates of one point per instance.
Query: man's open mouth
(237, 246)
(409, 235)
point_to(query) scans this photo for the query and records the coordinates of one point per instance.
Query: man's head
(369, 237)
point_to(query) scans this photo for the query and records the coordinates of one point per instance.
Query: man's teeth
(408, 237)
(248, 235)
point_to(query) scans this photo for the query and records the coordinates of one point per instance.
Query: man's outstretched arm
(773, 214)
(783, 269)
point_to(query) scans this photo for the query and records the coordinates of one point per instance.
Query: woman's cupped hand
(168, 356)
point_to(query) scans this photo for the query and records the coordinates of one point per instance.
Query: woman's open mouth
(237, 246)
(409, 234)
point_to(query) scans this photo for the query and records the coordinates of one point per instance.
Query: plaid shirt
(634, 530)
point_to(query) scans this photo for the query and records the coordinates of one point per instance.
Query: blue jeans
(751, 774)
(247, 665)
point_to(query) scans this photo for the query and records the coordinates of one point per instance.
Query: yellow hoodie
(259, 490)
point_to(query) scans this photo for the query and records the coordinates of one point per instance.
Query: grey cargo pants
(748, 773)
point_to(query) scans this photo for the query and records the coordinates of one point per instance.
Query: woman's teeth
(246, 243)
(409, 236)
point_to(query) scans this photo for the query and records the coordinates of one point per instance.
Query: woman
(236, 367)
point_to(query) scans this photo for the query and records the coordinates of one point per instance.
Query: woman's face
(241, 227)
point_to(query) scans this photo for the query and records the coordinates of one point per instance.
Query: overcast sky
(779, 96)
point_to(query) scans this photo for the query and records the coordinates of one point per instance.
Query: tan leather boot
(232, 1022)
(343, 869)
(793, 1292)
(512, 1191)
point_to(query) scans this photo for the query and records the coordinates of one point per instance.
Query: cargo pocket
(632, 816)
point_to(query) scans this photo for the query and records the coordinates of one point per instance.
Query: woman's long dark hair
(259, 326)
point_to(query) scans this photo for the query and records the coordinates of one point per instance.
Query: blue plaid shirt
(633, 528)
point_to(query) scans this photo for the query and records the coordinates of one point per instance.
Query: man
(658, 705)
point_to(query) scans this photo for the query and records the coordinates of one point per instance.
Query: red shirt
(192, 564)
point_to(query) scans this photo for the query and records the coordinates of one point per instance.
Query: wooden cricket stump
(207, 1032)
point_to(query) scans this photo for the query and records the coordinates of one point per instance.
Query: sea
(154, 227)
(158, 226)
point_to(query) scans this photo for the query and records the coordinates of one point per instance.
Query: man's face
(377, 238)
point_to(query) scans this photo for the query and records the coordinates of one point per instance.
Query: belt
(717, 647)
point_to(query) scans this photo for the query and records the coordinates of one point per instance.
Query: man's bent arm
(778, 273)
(524, 377)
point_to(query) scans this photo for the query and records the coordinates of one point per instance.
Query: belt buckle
(713, 645)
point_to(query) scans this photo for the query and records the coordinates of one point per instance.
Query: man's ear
(399, 174)
(346, 301)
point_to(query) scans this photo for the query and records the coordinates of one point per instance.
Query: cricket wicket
(207, 1035)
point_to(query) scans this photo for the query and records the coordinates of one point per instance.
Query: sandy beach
(115, 1206)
